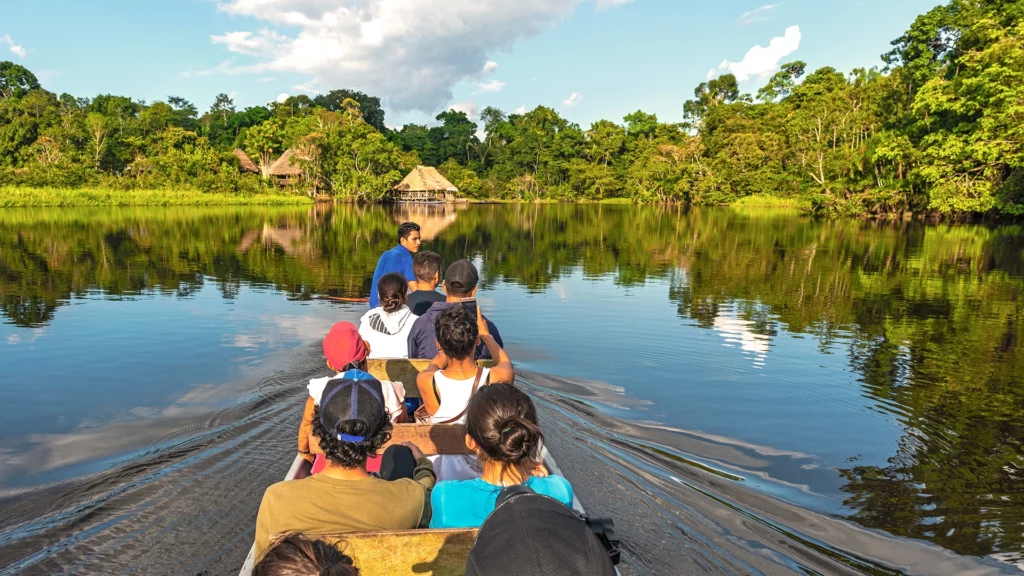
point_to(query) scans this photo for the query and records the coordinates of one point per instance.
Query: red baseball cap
(343, 345)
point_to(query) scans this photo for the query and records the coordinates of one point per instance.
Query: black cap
(345, 399)
(461, 277)
(532, 534)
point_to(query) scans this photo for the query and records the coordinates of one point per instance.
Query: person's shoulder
(554, 486)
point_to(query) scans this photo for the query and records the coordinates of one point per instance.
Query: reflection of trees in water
(931, 317)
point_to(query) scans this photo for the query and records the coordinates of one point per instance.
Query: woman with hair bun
(502, 430)
(386, 328)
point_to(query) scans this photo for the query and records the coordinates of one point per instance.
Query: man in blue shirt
(398, 259)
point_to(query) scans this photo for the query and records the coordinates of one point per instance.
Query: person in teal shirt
(502, 430)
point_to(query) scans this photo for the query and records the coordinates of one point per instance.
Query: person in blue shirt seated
(501, 428)
(398, 259)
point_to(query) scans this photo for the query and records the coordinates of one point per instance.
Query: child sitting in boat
(386, 328)
(501, 429)
(351, 424)
(346, 354)
(453, 377)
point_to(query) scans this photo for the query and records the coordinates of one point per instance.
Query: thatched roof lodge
(246, 163)
(424, 184)
(284, 170)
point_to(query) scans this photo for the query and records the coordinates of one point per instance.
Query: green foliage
(940, 130)
(36, 197)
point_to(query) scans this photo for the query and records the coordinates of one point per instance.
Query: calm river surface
(744, 391)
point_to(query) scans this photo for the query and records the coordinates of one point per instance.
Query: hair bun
(518, 438)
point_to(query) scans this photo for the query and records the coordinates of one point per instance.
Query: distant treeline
(939, 129)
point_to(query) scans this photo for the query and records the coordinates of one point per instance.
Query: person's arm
(305, 428)
(425, 382)
(412, 342)
(502, 370)
(262, 531)
(424, 476)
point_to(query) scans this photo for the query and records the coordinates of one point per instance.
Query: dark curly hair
(391, 290)
(456, 332)
(502, 420)
(348, 454)
(295, 555)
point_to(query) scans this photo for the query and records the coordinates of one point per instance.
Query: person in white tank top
(447, 384)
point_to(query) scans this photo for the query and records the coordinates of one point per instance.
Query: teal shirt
(467, 503)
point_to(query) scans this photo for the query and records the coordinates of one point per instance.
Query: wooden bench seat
(440, 552)
(431, 438)
(405, 371)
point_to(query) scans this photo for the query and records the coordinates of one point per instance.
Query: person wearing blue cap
(351, 424)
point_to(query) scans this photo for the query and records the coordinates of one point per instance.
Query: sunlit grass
(772, 202)
(20, 196)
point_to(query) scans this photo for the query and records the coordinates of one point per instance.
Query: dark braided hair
(391, 290)
(349, 454)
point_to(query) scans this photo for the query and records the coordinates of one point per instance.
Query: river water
(744, 392)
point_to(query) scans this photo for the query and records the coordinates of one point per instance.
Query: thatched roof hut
(284, 166)
(245, 162)
(424, 183)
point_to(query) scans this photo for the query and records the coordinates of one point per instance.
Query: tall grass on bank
(20, 196)
(766, 201)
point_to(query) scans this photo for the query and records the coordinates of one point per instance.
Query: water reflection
(929, 317)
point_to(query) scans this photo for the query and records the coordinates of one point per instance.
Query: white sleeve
(394, 398)
(316, 388)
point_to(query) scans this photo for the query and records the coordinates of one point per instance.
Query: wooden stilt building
(424, 184)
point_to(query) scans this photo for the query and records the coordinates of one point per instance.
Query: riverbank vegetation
(938, 129)
(23, 196)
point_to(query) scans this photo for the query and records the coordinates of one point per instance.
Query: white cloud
(472, 109)
(761, 61)
(521, 110)
(410, 54)
(606, 4)
(15, 49)
(282, 97)
(573, 99)
(711, 73)
(759, 14)
(492, 86)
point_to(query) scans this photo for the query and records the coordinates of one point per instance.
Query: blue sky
(421, 56)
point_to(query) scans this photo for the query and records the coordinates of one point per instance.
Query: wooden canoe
(441, 552)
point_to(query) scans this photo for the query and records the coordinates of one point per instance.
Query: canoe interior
(440, 552)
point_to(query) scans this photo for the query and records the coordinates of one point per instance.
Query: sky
(588, 59)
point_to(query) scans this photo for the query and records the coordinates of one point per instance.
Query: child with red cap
(346, 354)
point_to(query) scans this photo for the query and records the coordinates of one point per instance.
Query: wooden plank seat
(404, 370)
(431, 438)
(441, 552)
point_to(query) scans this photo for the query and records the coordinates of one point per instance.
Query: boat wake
(184, 499)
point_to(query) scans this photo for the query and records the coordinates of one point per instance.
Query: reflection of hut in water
(285, 170)
(432, 218)
(245, 163)
(424, 184)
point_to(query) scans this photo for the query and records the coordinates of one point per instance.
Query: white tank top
(454, 396)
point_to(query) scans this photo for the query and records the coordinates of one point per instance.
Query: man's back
(421, 300)
(423, 338)
(323, 505)
(398, 259)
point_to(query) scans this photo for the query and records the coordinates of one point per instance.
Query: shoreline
(25, 197)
